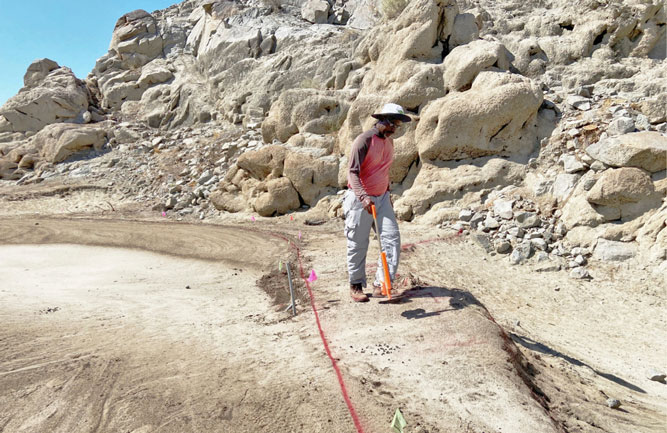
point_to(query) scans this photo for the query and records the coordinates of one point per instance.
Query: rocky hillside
(540, 125)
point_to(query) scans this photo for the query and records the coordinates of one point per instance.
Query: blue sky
(74, 33)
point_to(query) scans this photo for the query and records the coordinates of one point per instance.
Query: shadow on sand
(445, 300)
(542, 348)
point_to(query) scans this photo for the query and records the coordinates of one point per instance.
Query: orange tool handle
(386, 285)
(387, 280)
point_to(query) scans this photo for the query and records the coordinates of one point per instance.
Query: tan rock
(276, 196)
(465, 30)
(135, 39)
(155, 72)
(311, 176)
(59, 141)
(313, 141)
(304, 110)
(58, 97)
(37, 71)
(655, 108)
(647, 150)
(265, 162)
(492, 118)
(434, 184)
(464, 63)
(229, 202)
(8, 169)
(577, 211)
(619, 186)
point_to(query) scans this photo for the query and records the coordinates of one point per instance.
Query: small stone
(656, 375)
(527, 220)
(542, 256)
(517, 232)
(579, 102)
(613, 403)
(205, 177)
(503, 209)
(571, 164)
(465, 215)
(642, 123)
(585, 91)
(560, 229)
(580, 260)
(539, 244)
(579, 273)
(490, 223)
(503, 247)
(521, 253)
(622, 125)
(476, 219)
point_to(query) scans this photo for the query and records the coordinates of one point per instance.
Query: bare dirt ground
(118, 320)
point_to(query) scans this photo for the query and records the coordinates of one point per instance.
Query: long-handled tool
(386, 284)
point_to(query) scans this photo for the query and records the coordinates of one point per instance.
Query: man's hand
(367, 203)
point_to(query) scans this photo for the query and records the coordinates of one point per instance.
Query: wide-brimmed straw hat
(392, 112)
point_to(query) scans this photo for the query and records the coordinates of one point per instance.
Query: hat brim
(392, 116)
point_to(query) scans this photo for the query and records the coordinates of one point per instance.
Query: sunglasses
(394, 123)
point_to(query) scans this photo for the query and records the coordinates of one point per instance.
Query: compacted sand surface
(110, 325)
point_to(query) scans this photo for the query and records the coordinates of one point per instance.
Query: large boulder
(37, 71)
(415, 35)
(623, 193)
(8, 169)
(276, 196)
(466, 29)
(612, 251)
(304, 110)
(464, 63)
(263, 163)
(315, 11)
(645, 150)
(155, 72)
(310, 176)
(576, 210)
(620, 186)
(495, 117)
(136, 39)
(228, 202)
(434, 184)
(57, 142)
(49, 97)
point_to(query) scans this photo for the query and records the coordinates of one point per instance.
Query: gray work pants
(358, 224)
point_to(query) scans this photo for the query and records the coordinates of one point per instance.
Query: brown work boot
(377, 290)
(357, 293)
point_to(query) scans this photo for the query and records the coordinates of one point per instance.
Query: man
(368, 182)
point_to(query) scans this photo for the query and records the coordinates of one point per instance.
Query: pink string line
(339, 375)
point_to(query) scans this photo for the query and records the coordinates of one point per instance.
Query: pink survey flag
(299, 234)
(164, 214)
(291, 218)
(252, 218)
(313, 276)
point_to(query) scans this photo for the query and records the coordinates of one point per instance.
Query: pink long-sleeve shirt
(370, 160)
